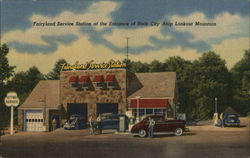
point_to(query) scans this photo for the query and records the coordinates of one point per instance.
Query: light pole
(137, 104)
(216, 117)
(215, 99)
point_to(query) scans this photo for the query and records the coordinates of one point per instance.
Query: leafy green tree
(156, 66)
(6, 71)
(241, 83)
(23, 83)
(55, 73)
(182, 68)
(139, 67)
(210, 79)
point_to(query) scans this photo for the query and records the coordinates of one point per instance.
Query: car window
(159, 120)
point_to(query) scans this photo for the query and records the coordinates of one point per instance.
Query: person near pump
(222, 120)
(91, 131)
(54, 122)
(151, 127)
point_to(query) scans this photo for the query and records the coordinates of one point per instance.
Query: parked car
(75, 122)
(231, 120)
(161, 125)
(111, 121)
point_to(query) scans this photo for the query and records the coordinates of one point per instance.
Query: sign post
(11, 100)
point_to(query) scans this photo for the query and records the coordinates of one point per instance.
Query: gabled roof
(44, 95)
(153, 85)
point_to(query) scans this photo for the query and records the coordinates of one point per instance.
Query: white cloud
(138, 37)
(82, 50)
(95, 13)
(232, 50)
(226, 24)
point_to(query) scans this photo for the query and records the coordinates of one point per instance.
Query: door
(34, 120)
(160, 124)
(78, 109)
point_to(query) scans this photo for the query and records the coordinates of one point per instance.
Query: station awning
(84, 79)
(149, 103)
(110, 78)
(98, 78)
(73, 79)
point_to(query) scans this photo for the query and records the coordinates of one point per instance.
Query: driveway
(203, 141)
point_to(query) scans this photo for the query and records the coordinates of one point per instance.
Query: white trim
(152, 98)
(148, 108)
(37, 108)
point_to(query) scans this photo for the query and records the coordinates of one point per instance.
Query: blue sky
(31, 45)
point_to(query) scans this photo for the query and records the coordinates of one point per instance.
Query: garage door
(78, 109)
(34, 120)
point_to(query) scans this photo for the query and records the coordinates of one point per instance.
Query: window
(149, 111)
(110, 79)
(99, 84)
(111, 84)
(159, 111)
(99, 80)
(141, 112)
(73, 81)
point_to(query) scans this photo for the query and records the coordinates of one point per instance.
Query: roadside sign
(11, 99)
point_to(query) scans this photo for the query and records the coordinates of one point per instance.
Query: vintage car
(231, 120)
(111, 121)
(161, 126)
(75, 122)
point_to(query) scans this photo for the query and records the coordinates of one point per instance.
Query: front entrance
(34, 120)
(78, 109)
(106, 108)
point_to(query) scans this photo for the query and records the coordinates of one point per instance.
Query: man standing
(151, 127)
(222, 120)
(91, 130)
(54, 123)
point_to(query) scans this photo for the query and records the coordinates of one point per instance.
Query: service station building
(97, 91)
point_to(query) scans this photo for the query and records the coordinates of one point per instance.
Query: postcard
(124, 78)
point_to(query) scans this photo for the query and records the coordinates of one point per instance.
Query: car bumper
(232, 124)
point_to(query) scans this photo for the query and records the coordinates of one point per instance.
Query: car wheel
(178, 131)
(142, 133)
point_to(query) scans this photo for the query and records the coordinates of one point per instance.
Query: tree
(182, 69)
(210, 79)
(139, 67)
(241, 82)
(55, 73)
(23, 83)
(6, 71)
(156, 66)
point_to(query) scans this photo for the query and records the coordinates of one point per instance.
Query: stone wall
(94, 95)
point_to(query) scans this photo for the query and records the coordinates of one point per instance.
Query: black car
(231, 120)
(75, 122)
(111, 121)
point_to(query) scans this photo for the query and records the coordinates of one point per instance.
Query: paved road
(204, 141)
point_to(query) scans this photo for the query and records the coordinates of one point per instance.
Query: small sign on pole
(11, 100)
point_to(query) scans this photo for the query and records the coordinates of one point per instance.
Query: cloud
(232, 50)
(96, 12)
(138, 37)
(83, 50)
(226, 24)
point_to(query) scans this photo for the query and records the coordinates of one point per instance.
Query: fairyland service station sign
(11, 99)
(93, 66)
